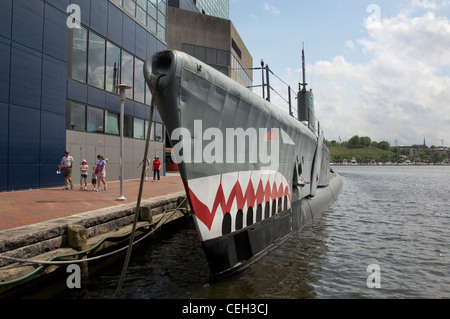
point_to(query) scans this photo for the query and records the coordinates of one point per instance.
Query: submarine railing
(313, 122)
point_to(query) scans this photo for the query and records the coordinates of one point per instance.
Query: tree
(436, 157)
(365, 141)
(354, 142)
(384, 145)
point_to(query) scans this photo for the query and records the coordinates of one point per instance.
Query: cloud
(401, 92)
(271, 9)
(349, 44)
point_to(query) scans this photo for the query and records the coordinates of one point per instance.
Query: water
(396, 217)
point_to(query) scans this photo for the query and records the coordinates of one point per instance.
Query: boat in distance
(253, 174)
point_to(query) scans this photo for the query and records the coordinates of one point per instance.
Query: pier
(44, 229)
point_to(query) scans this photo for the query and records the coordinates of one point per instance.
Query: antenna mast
(304, 84)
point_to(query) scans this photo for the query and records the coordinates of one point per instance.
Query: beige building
(212, 40)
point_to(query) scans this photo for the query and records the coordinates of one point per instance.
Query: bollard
(146, 214)
(77, 240)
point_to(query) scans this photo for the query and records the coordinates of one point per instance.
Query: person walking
(147, 167)
(84, 169)
(101, 167)
(156, 168)
(67, 163)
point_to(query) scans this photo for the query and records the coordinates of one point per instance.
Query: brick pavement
(23, 208)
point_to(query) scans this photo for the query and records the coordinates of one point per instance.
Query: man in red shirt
(156, 168)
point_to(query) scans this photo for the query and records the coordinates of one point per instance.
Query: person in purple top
(101, 167)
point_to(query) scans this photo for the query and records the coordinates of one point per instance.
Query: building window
(128, 126)
(141, 15)
(152, 135)
(139, 128)
(139, 82)
(76, 116)
(127, 71)
(158, 132)
(130, 7)
(95, 120)
(112, 67)
(96, 66)
(111, 123)
(236, 48)
(151, 14)
(223, 57)
(79, 54)
(148, 95)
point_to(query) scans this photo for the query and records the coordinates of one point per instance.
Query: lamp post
(122, 89)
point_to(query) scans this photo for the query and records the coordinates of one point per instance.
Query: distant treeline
(361, 142)
(365, 150)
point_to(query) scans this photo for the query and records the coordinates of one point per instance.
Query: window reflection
(158, 132)
(94, 120)
(96, 67)
(112, 67)
(139, 81)
(79, 54)
(139, 128)
(130, 6)
(127, 72)
(128, 126)
(76, 116)
(112, 123)
(150, 13)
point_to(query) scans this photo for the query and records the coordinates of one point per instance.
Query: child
(94, 177)
(84, 174)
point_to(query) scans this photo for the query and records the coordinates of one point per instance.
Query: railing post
(268, 83)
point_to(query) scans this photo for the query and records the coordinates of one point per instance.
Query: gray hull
(252, 173)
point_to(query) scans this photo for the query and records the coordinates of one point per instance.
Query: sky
(377, 68)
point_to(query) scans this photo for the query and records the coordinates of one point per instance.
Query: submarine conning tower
(305, 100)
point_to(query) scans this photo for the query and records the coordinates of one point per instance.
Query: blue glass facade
(36, 85)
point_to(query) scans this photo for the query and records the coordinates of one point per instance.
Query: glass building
(57, 86)
(215, 8)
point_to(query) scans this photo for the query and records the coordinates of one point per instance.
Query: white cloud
(271, 9)
(401, 93)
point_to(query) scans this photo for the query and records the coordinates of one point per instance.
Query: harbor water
(387, 236)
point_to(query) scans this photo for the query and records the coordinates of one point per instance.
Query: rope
(53, 262)
(130, 246)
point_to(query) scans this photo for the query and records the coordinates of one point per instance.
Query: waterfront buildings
(59, 63)
(57, 86)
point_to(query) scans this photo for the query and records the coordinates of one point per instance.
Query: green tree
(436, 157)
(354, 142)
(365, 141)
(384, 145)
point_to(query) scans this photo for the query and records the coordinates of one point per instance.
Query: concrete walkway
(22, 208)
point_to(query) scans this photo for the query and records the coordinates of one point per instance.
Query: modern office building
(59, 63)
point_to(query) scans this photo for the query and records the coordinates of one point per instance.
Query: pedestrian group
(98, 172)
